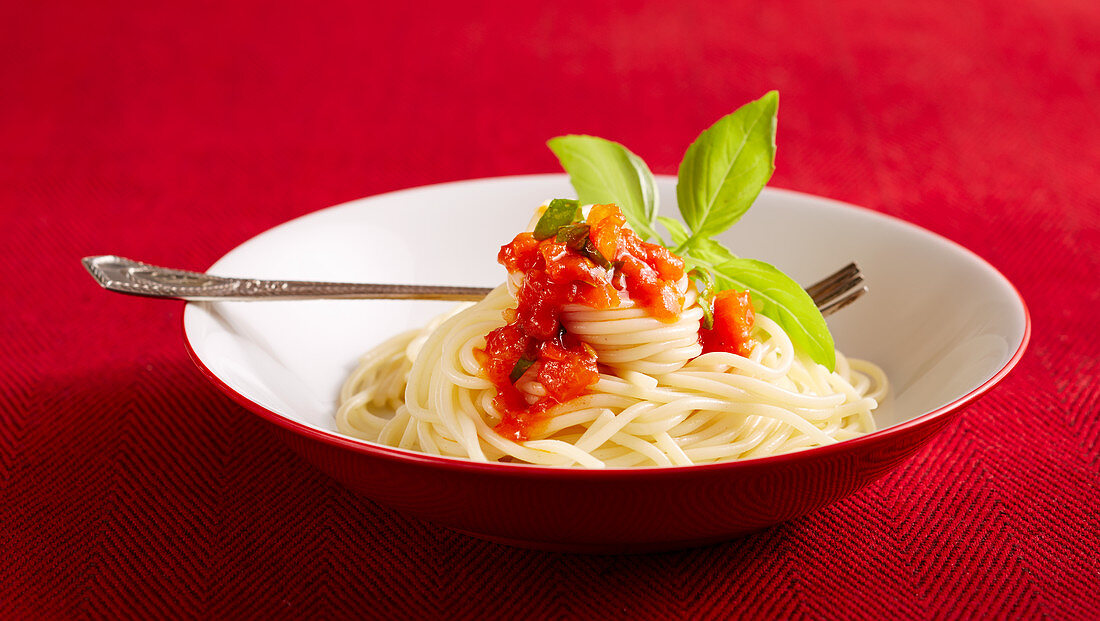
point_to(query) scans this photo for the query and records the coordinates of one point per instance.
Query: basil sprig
(721, 175)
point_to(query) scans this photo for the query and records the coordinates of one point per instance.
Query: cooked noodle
(657, 401)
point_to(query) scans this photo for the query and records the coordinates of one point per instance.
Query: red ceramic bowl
(944, 325)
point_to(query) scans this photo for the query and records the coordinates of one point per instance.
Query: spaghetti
(632, 386)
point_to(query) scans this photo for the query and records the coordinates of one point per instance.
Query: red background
(130, 486)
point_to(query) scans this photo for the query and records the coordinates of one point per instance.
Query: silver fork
(135, 278)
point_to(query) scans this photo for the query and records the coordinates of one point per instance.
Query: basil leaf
(650, 198)
(521, 367)
(724, 170)
(711, 251)
(783, 300)
(561, 212)
(573, 235)
(604, 172)
(677, 231)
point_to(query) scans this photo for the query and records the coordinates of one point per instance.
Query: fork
(135, 278)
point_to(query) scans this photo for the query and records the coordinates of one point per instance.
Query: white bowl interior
(938, 319)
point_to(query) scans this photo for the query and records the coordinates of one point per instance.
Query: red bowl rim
(410, 457)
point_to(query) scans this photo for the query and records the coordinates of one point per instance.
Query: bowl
(942, 323)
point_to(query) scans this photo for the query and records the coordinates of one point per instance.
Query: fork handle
(136, 278)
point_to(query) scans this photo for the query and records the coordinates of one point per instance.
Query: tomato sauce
(563, 272)
(733, 323)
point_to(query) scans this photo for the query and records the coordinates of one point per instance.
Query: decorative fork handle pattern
(136, 278)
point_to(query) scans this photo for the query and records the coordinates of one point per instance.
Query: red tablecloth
(129, 486)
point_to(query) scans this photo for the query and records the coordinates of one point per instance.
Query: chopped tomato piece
(563, 264)
(567, 371)
(503, 348)
(599, 296)
(521, 254)
(668, 265)
(606, 222)
(733, 323)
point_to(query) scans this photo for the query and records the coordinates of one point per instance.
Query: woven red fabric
(171, 132)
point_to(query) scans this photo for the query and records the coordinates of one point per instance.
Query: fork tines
(838, 290)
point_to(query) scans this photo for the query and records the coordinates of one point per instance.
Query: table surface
(130, 486)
